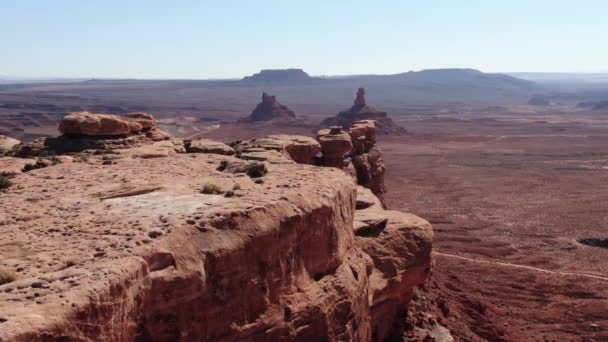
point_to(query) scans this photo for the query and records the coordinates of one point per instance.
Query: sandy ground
(508, 198)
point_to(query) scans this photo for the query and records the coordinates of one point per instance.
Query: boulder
(370, 171)
(300, 149)
(155, 134)
(335, 144)
(209, 146)
(101, 125)
(147, 121)
(363, 135)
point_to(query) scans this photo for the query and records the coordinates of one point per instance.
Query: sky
(229, 38)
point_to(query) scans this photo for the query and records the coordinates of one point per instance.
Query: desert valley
(437, 205)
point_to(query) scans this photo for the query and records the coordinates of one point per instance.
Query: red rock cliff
(164, 245)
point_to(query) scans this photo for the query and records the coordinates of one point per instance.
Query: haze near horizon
(201, 39)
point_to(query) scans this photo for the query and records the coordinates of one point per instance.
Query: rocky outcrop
(7, 143)
(336, 144)
(300, 149)
(83, 131)
(205, 246)
(400, 247)
(361, 111)
(208, 146)
(355, 152)
(87, 124)
(270, 109)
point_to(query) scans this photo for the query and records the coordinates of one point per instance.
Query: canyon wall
(196, 240)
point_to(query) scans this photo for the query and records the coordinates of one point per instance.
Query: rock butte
(190, 245)
(361, 111)
(270, 109)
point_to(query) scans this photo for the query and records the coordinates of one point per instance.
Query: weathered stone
(7, 144)
(335, 144)
(400, 246)
(300, 149)
(84, 123)
(140, 252)
(147, 121)
(155, 134)
(209, 146)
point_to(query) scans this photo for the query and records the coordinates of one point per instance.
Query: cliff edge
(164, 240)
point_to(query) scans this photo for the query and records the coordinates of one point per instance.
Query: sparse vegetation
(70, 263)
(5, 182)
(257, 170)
(7, 276)
(211, 189)
(259, 181)
(223, 165)
(234, 143)
(104, 152)
(236, 187)
(229, 193)
(41, 163)
(109, 159)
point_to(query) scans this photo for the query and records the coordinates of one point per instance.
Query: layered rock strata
(270, 109)
(356, 152)
(360, 110)
(102, 132)
(204, 246)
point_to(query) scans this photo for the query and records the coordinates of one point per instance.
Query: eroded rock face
(297, 148)
(336, 144)
(204, 246)
(7, 143)
(209, 146)
(85, 131)
(356, 153)
(270, 109)
(84, 123)
(400, 246)
(145, 120)
(361, 111)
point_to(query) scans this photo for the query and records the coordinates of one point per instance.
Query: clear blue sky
(223, 38)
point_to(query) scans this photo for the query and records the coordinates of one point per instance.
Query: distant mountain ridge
(300, 91)
(279, 75)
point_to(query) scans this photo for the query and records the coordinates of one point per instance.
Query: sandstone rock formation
(300, 149)
(86, 131)
(208, 146)
(270, 109)
(336, 144)
(205, 246)
(361, 111)
(356, 153)
(7, 143)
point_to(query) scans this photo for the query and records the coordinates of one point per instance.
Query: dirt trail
(531, 268)
(206, 130)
